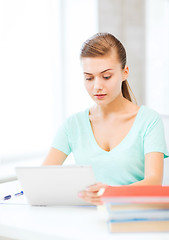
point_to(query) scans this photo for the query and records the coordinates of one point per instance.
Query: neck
(117, 106)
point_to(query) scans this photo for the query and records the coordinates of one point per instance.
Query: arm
(153, 176)
(55, 157)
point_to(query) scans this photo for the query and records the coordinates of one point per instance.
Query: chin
(101, 102)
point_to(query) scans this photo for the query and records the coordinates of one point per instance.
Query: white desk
(62, 223)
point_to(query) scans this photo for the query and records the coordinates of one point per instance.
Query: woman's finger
(90, 197)
(95, 201)
(93, 193)
(96, 187)
(89, 194)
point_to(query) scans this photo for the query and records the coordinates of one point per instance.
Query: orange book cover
(136, 193)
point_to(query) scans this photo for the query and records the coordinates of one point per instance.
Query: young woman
(123, 142)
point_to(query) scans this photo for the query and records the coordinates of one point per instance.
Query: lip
(100, 96)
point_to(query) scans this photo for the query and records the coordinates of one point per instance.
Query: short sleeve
(154, 138)
(61, 140)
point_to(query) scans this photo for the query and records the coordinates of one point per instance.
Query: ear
(125, 73)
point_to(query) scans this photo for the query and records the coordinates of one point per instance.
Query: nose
(98, 83)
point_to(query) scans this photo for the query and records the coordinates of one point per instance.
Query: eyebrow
(101, 72)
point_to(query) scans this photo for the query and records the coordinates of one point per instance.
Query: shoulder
(149, 114)
(78, 115)
(76, 119)
(149, 118)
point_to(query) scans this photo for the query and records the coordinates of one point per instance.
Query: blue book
(138, 225)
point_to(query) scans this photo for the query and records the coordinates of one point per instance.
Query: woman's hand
(93, 193)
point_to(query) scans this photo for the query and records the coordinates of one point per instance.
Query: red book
(136, 194)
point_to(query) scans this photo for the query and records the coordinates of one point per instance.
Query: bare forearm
(150, 181)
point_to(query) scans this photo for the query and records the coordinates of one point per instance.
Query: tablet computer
(55, 185)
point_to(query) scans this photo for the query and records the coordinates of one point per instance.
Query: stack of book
(137, 208)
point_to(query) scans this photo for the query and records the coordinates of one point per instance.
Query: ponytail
(127, 92)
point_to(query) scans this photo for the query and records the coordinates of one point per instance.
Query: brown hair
(101, 44)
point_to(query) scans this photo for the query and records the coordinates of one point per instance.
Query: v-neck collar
(124, 139)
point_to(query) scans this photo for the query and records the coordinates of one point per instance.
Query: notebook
(55, 185)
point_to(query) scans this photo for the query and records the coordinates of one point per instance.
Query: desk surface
(26, 222)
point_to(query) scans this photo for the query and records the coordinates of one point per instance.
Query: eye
(89, 78)
(107, 77)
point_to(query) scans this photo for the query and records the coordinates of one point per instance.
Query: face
(103, 77)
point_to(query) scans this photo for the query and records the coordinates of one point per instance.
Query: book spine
(138, 225)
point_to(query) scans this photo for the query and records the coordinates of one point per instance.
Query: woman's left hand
(93, 194)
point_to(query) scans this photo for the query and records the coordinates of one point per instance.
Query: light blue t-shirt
(124, 164)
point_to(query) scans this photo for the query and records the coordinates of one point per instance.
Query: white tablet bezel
(55, 185)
